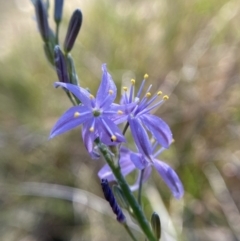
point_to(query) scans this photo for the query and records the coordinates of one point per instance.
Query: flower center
(96, 112)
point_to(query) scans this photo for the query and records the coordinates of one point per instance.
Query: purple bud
(42, 20)
(112, 201)
(58, 7)
(73, 30)
(60, 64)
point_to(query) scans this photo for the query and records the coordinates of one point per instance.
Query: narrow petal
(107, 90)
(159, 129)
(146, 174)
(80, 93)
(125, 163)
(88, 139)
(170, 178)
(67, 121)
(138, 160)
(140, 136)
(107, 130)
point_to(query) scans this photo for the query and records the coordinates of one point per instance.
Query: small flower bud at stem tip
(73, 30)
(58, 10)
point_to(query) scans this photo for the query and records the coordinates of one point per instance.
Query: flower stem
(140, 188)
(137, 210)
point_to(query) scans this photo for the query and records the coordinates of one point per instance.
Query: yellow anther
(148, 94)
(120, 112)
(91, 97)
(91, 129)
(165, 97)
(110, 92)
(125, 88)
(133, 81)
(145, 76)
(173, 140)
(76, 114)
(113, 138)
(159, 93)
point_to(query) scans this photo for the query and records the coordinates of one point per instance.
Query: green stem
(57, 32)
(140, 188)
(137, 210)
(130, 232)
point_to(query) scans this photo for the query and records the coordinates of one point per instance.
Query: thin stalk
(137, 210)
(57, 32)
(140, 188)
(125, 128)
(129, 232)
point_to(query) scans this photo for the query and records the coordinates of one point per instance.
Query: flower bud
(73, 30)
(112, 201)
(58, 7)
(71, 70)
(60, 64)
(41, 14)
(156, 225)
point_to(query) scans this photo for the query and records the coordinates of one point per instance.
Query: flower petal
(125, 163)
(146, 174)
(140, 136)
(80, 93)
(170, 178)
(67, 121)
(107, 90)
(88, 139)
(138, 160)
(106, 129)
(159, 129)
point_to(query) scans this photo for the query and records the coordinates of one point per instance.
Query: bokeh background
(49, 189)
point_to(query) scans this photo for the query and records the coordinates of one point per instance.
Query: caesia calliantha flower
(130, 161)
(94, 113)
(141, 120)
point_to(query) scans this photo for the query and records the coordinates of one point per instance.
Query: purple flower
(141, 120)
(94, 114)
(129, 161)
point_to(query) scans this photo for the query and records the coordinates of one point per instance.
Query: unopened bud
(42, 21)
(60, 64)
(73, 30)
(112, 201)
(71, 70)
(156, 225)
(58, 7)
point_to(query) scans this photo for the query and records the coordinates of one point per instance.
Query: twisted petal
(107, 129)
(170, 178)
(158, 128)
(67, 121)
(140, 136)
(80, 93)
(107, 90)
(146, 174)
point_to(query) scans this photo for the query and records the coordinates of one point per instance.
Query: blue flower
(129, 161)
(94, 114)
(141, 120)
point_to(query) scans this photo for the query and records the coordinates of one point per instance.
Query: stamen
(159, 93)
(91, 129)
(120, 112)
(76, 114)
(113, 138)
(165, 97)
(145, 76)
(148, 94)
(125, 88)
(110, 92)
(133, 81)
(91, 97)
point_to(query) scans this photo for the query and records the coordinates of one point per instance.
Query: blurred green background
(49, 189)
